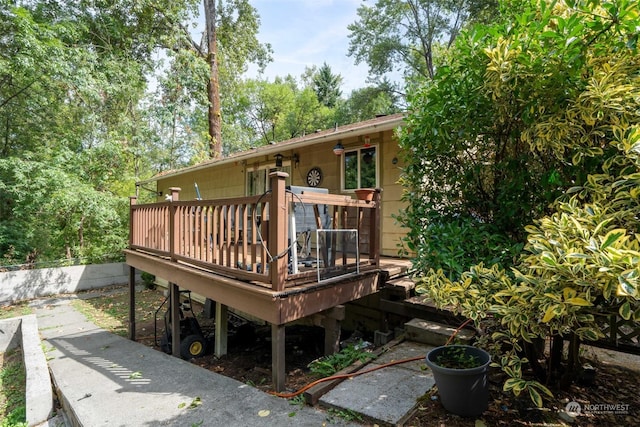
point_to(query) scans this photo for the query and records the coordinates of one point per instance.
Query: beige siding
(229, 180)
(391, 195)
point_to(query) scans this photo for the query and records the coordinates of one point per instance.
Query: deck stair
(433, 333)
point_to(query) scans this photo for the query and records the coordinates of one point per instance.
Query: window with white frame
(360, 168)
(258, 178)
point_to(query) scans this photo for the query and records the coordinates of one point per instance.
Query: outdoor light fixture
(296, 159)
(278, 160)
(338, 149)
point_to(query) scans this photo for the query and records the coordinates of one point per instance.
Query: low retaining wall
(23, 331)
(27, 284)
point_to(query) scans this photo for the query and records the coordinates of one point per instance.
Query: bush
(568, 75)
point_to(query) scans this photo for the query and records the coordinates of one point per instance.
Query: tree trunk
(533, 352)
(555, 357)
(213, 87)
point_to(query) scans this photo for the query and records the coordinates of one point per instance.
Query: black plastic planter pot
(463, 392)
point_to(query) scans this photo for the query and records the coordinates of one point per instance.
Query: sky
(303, 33)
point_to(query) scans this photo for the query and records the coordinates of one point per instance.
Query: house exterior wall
(229, 179)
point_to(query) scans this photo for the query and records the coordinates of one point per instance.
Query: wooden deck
(248, 254)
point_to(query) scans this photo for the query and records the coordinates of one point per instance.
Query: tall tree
(327, 86)
(213, 85)
(72, 75)
(281, 110)
(228, 46)
(404, 34)
(368, 102)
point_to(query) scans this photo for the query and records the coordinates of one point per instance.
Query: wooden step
(433, 333)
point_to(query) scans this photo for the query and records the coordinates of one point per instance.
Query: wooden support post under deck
(278, 371)
(132, 303)
(221, 329)
(331, 323)
(132, 277)
(174, 298)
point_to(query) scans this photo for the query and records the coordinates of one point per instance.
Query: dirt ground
(249, 361)
(248, 357)
(612, 385)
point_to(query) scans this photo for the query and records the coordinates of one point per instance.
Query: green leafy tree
(327, 86)
(368, 102)
(569, 73)
(228, 46)
(281, 110)
(404, 35)
(52, 213)
(72, 75)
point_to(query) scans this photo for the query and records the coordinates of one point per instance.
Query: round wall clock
(314, 177)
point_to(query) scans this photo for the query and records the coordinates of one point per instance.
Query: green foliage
(148, 279)
(454, 243)
(327, 86)
(52, 213)
(329, 365)
(367, 103)
(454, 357)
(476, 149)
(13, 412)
(569, 74)
(335, 415)
(282, 110)
(404, 34)
(71, 79)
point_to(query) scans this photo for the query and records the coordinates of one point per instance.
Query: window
(360, 168)
(258, 179)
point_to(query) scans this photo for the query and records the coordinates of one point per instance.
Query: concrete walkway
(105, 380)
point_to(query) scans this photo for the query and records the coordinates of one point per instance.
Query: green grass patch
(15, 310)
(13, 408)
(110, 311)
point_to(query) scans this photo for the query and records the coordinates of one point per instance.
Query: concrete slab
(106, 380)
(407, 350)
(384, 396)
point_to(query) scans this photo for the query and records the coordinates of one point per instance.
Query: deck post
(132, 303)
(174, 229)
(174, 298)
(374, 230)
(132, 274)
(278, 371)
(132, 229)
(221, 329)
(278, 217)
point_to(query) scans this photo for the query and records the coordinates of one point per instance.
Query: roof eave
(341, 132)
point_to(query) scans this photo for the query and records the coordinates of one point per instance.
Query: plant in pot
(460, 372)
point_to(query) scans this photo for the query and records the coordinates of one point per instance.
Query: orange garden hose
(355, 374)
(343, 376)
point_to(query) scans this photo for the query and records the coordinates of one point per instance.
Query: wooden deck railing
(249, 238)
